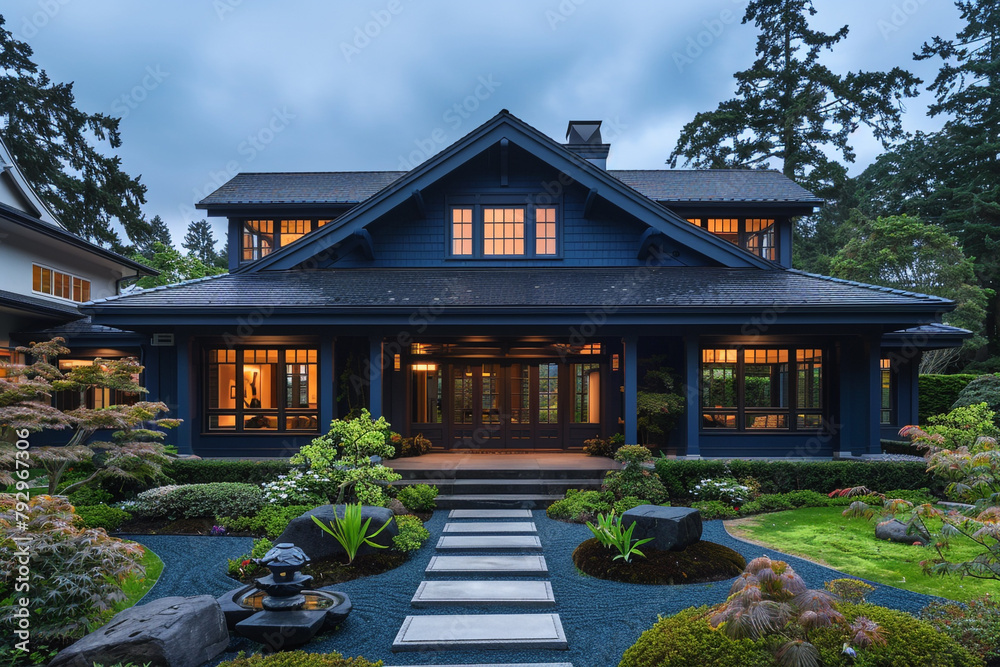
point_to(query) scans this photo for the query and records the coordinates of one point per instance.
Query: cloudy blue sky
(208, 88)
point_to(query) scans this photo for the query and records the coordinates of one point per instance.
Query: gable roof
(12, 172)
(505, 126)
(662, 185)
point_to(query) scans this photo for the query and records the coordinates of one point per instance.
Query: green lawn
(822, 535)
(135, 586)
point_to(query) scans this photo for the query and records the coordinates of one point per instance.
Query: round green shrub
(686, 638)
(714, 509)
(102, 516)
(271, 520)
(984, 389)
(580, 506)
(418, 497)
(297, 659)
(807, 498)
(89, 496)
(412, 533)
(197, 500)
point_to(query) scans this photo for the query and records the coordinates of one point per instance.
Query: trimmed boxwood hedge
(183, 471)
(782, 476)
(938, 392)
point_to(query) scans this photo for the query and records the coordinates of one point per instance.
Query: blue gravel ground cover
(601, 618)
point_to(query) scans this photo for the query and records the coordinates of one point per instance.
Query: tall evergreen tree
(52, 142)
(200, 242)
(967, 169)
(158, 233)
(790, 108)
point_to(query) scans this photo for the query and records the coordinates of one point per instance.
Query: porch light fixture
(614, 362)
(426, 368)
(397, 363)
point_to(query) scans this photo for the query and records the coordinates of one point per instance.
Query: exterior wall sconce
(614, 362)
(397, 363)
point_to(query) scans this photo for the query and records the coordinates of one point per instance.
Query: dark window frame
(479, 234)
(743, 236)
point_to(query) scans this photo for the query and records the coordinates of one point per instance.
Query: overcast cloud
(208, 88)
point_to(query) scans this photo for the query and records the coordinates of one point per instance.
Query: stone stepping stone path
(482, 588)
(489, 514)
(491, 527)
(489, 543)
(532, 566)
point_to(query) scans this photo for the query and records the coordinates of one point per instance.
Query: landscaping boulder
(169, 632)
(894, 530)
(319, 545)
(672, 528)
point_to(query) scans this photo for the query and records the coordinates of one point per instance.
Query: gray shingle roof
(37, 304)
(667, 185)
(715, 185)
(518, 288)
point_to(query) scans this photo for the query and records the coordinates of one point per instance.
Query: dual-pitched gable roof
(318, 188)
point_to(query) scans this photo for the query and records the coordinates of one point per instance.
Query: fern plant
(350, 532)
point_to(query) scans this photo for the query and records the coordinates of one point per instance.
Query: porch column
(184, 394)
(860, 396)
(692, 400)
(873, 348)
(375, 376)
(327, 383)
(631, 391)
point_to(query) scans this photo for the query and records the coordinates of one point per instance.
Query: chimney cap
(583, 132)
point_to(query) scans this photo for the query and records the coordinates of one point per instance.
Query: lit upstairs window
(58, 284)
(461, 231)
(503, 231)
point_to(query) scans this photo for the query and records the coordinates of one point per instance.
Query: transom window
(56, 283)
(754, 234)
(261, 390)
(262, 237)
(748, 389)
(504, 231)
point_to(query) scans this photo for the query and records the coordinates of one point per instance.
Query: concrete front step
(483, 594)
(489, 514)
(477, 486)
(491, 527)
(480, 631)
(436, 476)
(531, 501)
(488, 565)
(489, 543)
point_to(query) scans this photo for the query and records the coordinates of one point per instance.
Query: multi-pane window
(262, 389)
(503, 231)
(762, 388)
(548, 393)
(262, 237)
(586, 393)
(93, 398)
(461, 379)
(754, 234)
(461, 231)
(886, 379)
(56, 283)
(545, 231)
(5, 362)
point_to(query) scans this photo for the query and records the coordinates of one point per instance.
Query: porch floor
(542, 461)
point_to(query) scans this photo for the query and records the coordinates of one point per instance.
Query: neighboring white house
(46, 272)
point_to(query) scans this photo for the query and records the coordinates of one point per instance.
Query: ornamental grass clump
(609, 532)
(350, 532)
(770, 599)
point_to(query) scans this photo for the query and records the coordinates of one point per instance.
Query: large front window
(503, 231)
(56, 283)
(262, 237)
(751, 389)
(262, 389)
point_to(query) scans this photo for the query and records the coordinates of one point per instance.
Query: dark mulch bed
(701, 562)
(199, 526)
(327, 573)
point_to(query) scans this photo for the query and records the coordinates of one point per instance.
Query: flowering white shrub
(298, 488)
(725, 489)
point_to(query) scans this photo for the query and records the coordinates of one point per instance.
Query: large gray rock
(894, 530)
(303, 532)
(169, 632)
(672, 528)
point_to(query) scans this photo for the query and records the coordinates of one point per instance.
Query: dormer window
(486, 232)
(262, 237)
(754, 234)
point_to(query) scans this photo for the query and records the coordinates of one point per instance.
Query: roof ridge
(711, 169)
(348, 171)
(877, 288)
(160, 288)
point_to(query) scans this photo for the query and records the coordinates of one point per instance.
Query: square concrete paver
(483, 593)
(491, 527)
(489, 514)
(491, 565)
(486, 631)
(489, 543)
